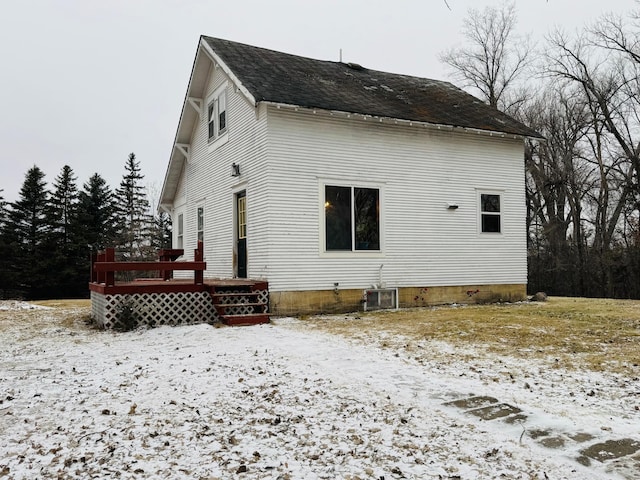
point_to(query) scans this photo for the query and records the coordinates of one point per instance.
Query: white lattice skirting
(153, 309)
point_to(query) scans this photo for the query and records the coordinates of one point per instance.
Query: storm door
(241, 233)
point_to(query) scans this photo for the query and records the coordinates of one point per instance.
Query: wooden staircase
(241, 304)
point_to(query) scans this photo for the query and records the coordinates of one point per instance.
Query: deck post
(110, 256)
(165, 274)
(93, 258)
(101, 275)
(198, 256)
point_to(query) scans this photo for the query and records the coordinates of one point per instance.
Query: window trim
(482, 213)
(199, 224)
(214, 132)
(323, 183)
(180, 231)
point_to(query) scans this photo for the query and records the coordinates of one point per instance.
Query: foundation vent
(380, 298)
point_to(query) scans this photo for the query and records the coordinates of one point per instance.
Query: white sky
(86, 82)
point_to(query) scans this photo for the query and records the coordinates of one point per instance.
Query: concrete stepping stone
(555, 442)
(611, 449)
(518, 418)
(621, 456)
(473, 402)
(493, 412)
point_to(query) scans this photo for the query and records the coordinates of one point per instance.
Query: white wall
(206, 180)
(419, 170)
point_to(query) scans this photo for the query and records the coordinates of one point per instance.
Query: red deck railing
(104, 266)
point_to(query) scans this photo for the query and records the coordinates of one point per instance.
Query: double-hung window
(217, 115)
(200, 223)
(352, 218)
(180, 239)
(490, 214)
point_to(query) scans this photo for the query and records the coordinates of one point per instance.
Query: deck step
(224, 306)
(240, 308)
(234, 294)
(248, 319)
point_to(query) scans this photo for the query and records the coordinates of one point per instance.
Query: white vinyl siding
(209, 183)
(422, 170)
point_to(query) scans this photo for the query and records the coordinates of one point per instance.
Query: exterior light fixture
(235, 170)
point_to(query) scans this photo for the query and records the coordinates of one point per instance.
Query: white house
(327, 179)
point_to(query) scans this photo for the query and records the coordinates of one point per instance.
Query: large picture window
(352, 218)
(490, 213)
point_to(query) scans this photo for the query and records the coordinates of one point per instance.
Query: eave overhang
(193, 106)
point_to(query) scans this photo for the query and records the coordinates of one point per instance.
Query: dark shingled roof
(289, 79)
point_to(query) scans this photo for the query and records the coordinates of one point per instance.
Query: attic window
(217, 114)
(222, 112)
(211, 123)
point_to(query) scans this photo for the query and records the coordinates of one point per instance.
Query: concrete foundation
(349, 300)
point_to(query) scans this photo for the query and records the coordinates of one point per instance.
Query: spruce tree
(161, 234)
(132, 206)
(62, 210)
(5, 279)
(25, 231)
(96, 214)
(68, 255)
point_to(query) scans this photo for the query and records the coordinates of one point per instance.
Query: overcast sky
(86, 82)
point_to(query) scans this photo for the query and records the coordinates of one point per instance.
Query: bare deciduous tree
(495, 57)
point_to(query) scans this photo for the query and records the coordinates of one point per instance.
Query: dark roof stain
(278, 77)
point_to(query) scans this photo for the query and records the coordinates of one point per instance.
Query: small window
(210, 120)
(352, 218)
(217, 111)
(180, 241)
(201, 224)
(490, 213)
(222, 112)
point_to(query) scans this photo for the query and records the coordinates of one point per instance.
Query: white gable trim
(217, 61)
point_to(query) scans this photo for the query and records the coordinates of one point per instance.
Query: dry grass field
(389, 394)
(595, 334)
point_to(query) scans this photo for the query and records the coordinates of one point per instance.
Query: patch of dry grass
(64, 313)
(597, 334)
(70, 303)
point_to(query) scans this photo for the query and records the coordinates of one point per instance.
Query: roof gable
(270, 76)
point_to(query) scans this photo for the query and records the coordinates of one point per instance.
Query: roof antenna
(340, 55)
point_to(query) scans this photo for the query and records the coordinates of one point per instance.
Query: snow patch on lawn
(280, 402)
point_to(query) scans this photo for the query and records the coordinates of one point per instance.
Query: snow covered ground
(282, 401)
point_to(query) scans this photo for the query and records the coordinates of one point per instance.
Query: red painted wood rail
(104, 267)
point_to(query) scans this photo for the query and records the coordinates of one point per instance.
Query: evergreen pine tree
(132, 206)
(25, 231)
(68, 261)
(161, 235)
(5, 279)
(3, 209)
(96, 214)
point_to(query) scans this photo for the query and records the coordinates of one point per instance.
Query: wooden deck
(236, 301)
(158, 285)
